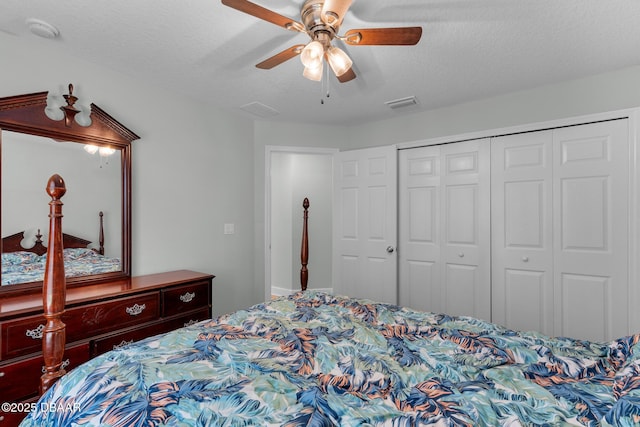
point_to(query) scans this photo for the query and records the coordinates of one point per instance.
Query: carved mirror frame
(26, 114)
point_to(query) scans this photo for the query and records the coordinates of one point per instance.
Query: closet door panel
(521, 222)
(466, 218)
(445, 228)
(525, 290)
(591, 175)
(419, 229)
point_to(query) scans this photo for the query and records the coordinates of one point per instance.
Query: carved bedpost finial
(55, 187)
(54, 290)
(304, 251)
(70, 110)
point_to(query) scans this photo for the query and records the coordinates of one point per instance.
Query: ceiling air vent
(260, 110)
(402, 102)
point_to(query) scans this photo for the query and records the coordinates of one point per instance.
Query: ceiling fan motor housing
(311, 14)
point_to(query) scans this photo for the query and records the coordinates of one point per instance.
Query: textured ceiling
(470, 49)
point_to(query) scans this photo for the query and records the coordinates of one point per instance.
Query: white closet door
(591, 214)
(365, 224)
(444, 228)
(419, 229)
(522, 231)
(560, 218)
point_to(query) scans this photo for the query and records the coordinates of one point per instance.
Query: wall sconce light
(56, 111)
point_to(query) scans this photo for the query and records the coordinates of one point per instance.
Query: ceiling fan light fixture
(312, 54)
(314, 74)
(338, 60)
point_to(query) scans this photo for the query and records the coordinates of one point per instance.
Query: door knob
(390, 249)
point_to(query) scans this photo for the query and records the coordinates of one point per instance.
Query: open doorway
(293, 173)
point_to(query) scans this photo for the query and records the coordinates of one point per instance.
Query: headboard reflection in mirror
(94, 156)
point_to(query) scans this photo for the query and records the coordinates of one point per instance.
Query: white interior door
(445, 263)
(522, 230)
(591, 213)
(365, 224)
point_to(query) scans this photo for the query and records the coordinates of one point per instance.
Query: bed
(316, 359)
(26, 264)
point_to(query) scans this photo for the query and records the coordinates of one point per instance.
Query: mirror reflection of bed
(27, 161)
(24, 256)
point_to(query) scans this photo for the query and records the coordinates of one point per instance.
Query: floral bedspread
(21, 267)
(314, 359)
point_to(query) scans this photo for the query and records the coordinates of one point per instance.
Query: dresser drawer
(25, 335)
(21, 379)
(116, 314)
(112, 342)
(190, 319)
(184, 298)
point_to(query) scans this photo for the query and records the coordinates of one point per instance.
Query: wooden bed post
(101, 236)
(54, 290)
(304, 251)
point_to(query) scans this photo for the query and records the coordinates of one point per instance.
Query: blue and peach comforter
(314, 359)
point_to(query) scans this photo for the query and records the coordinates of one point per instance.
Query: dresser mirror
(95, 162)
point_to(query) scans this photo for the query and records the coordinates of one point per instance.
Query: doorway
(291, 174)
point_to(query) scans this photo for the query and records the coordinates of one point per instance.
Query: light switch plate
(229, 228)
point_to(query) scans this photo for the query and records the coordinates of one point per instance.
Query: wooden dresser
(98, 318)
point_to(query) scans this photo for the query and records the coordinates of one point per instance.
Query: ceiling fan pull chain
(327, 72)
(325, 79)
(322, 83)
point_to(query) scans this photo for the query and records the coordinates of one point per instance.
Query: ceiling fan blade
(265, 14)
(383, 36)
(348, 76)
(281, 57)
(333, 11)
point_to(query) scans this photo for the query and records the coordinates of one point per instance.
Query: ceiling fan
(321, 20)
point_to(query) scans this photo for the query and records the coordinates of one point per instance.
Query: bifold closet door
(444, 228)
(522, 231)
(591, 215)
(560, 218)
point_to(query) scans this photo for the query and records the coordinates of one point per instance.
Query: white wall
(596, 94)
(294, 177)
(312, 176)
(192, 167)
(281, 223)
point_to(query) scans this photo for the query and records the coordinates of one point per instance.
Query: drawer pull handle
(190, 322)
(64, 365)
(1, 374)
(135, 309)
(187, 297)
(122, 344)
(36, 333)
